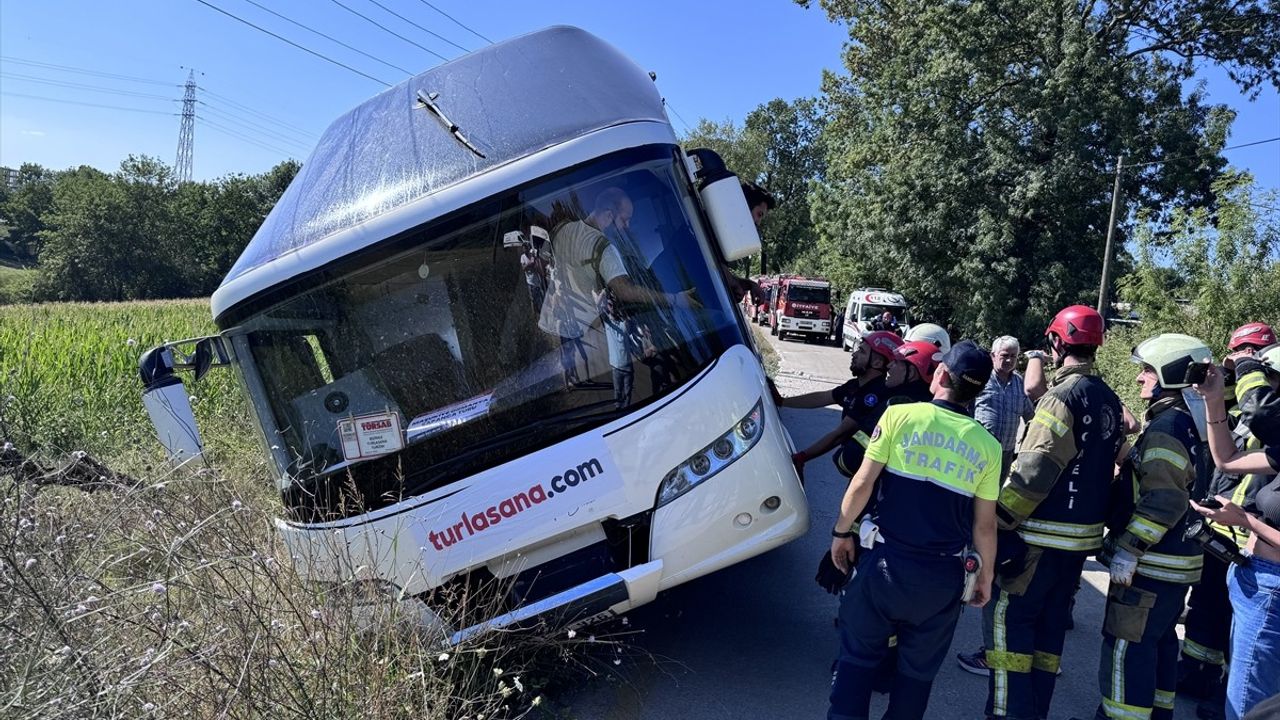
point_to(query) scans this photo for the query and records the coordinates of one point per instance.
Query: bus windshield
(521, 321)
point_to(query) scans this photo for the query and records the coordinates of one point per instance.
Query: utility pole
(186, 134)
(1111, 231)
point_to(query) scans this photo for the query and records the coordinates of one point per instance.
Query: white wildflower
(626, 621)
(519, 685)
(60, 539)
(159, 588)
(444, 657)
(505, 691)
(591, 638)
(148, 707)
(536, 701)
(315, 614)
(497, 672)
(573, 634)
(236, 504)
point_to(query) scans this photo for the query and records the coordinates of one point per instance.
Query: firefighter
(1208, 624)
(1150, 559)
(1051, 514)
(861, 400)
(911, 372)
(930, 332)
(938, 471)
(1245, 342)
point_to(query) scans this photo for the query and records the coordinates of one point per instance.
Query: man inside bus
(590, 275)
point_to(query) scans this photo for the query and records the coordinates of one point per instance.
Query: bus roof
(508, 100)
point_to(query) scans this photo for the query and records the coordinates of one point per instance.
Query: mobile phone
(1210, 502)
(1196, 373)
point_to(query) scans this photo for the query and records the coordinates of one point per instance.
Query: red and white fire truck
(801, 306)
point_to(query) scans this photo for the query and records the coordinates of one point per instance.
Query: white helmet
(929, 332)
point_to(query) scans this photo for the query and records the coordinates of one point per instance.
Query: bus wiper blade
(429, 101)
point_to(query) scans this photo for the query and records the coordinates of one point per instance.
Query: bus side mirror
(726, 207)
(166, 400)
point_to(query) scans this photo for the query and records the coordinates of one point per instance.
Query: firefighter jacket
(1151, 513)
(1057, 491)
(1252, 393)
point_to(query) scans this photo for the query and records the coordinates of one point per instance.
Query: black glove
(829, 577)
(1011, 554)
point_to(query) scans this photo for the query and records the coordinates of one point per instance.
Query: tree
(971, 145)
(24, 207)
(139, 234)
(1206, 272)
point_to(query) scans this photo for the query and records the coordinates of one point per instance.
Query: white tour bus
(486, 338)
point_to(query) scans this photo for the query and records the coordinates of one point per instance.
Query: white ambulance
(865, 306)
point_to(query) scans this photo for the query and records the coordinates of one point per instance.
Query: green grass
(16, 284)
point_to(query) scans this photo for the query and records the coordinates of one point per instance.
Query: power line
(85, 71)
(257, 113)
(82, 86)
(1185, 157)
(244, 138)
(383, 27)
(425, 30)
(456, 21)
(85, 104)
(250, 126)
(281, 38)
(667, 102)
(329, 38)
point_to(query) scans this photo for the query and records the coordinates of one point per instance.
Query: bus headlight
(733, 444)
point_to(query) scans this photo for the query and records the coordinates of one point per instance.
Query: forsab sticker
(366, 436)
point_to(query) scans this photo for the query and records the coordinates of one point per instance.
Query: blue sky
(267, 100)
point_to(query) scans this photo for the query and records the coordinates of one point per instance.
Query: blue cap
(969, 362)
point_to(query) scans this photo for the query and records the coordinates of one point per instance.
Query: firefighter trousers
(1138, 667)
(1208, 627)
(1027, 620)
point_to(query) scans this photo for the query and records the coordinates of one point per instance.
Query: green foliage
(23, 210)
(779, 147)
(16, 285)
(1207, 271)
(971, 146)
(137, 233)
(69, 379)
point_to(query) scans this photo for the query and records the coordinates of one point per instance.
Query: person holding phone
(1208, 625)
(1254, 589)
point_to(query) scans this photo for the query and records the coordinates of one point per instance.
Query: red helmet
(1256, 333)
(925, 356)
(1077, 325)
(882, 343)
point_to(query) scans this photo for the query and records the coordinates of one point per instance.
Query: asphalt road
(757, 640)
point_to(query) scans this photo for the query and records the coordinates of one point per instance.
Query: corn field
(69, 380)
